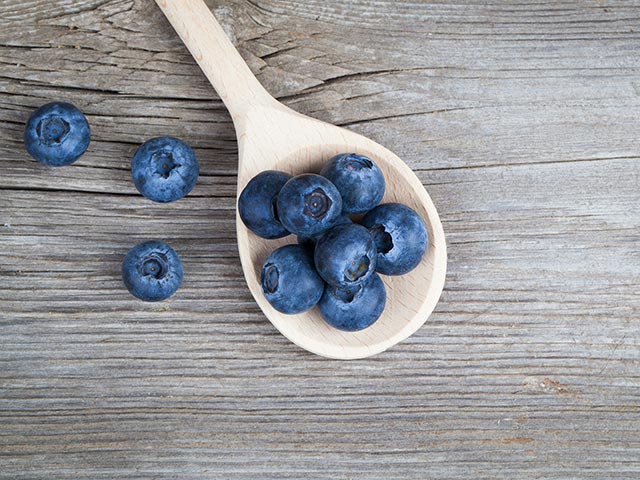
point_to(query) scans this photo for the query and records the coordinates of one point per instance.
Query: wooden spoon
(272, 136)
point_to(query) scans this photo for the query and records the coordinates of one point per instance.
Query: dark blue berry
(308, 204)
(289, 280)
(257, 204)
(400, 236)
(353, 308)
(57, 134)
(164, 169)
(152, 271)
(345, 255)
(311, 241)
(359, 181)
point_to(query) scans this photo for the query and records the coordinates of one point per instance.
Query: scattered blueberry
(289, 280)
(353, 308)
(400, 236)
(57, 134)
(359, 181)
(164, 169)
(257, 204)
(345, 255)
(308, 204)
(311, 241)
(152, 271)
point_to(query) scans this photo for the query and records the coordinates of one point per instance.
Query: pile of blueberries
(335, 262)
(164, 169)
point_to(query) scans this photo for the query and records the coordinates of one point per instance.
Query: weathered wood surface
(522, 121)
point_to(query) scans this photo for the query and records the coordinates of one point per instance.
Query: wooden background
(521, 119)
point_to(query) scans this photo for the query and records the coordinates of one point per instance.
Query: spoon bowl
(271, 136)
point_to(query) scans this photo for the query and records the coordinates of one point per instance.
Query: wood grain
(519, 118)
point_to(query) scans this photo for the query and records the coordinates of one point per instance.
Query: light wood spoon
(271, 136)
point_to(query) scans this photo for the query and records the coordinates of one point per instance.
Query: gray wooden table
(520, 118)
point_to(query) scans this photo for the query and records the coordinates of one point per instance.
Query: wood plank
(520, 119)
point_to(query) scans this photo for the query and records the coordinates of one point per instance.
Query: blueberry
(257, 204)
(152, 271)
(353, 308)
(308, 204)
(345, 255)
(57, 134)
(400, 236)
(164, 169)
(311, 241)
(359, 181)
(289, 280)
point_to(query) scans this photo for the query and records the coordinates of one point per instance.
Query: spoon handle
(221, 63)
